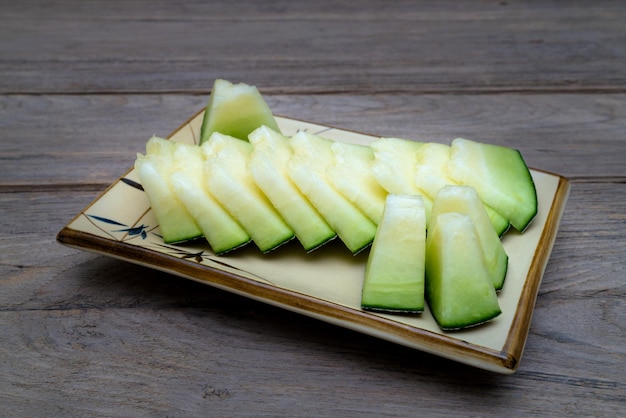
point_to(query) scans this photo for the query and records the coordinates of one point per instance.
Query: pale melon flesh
(221, 230)
(235, 110)
(232, 185)
(312, 155)
(459, 289)
(154, 169)
(432, 175)
(268, 167)
(395, 165)
(394, 274)
(465, 200)
(499, 175)
(351, 174)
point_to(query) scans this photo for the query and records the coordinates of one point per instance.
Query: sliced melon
(235, 110)
(459, 289)
(432, 175)
(465, 200)
(268, 167)
(394, 274)
(307, 167)
(232, 185)
(394, 167)
(499, 175)
(352, 175)
(161, 146)
(154, 169)
(221, 231)
(430, 171)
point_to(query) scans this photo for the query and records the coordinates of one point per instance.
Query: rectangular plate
(326, 284)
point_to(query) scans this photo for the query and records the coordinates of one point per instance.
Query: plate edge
(503, 361)
(518, 333)
(346, 317)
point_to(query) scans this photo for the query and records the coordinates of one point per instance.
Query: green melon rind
(499, 175)
(235, 110)
(459, 291)
(307, 169)
(221, 231)
(432, 175)
(232, 185)
(268, 167)
(175, 222)
(465, 200)
(394, 274)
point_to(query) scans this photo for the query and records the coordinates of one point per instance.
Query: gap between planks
(269, 90)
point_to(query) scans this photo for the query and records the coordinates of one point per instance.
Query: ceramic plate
(326, 284)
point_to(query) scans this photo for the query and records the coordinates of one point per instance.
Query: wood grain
(84, 84)
(92, 329)
(578, 136)
(372, 46)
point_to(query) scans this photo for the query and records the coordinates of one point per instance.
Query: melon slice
(459, 289)
(235, 110)
(312, 155)
(221, 231)
(154, 169)
(394, 274)
(352, 175)
(232, 185)
(395, 165)
(268, 168)
(432, 175)
(499, 175)
(465, 200)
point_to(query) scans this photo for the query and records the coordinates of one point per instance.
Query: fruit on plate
(395, 165)
(351, 174)
(430, 171)
(394, 274)
(432, 174)
(228, 179)
(465, 200)
(312, 155)
(499, 175)
(268, 168)
(221, 231)
(235, 110)
(459, 290)
(248, 182)
(175, 222)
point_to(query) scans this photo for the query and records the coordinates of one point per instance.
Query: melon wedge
(312, 155)
(268, 168)
(459, 289)
(232, 185)
(394, 274)
(235, 110)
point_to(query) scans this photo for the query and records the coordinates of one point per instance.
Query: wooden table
(82, 87)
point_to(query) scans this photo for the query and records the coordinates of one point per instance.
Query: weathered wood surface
(310, 47)
(80, 330)
(576, 135)
(82, 86)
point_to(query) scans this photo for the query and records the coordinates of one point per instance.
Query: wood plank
(52, 133)
(82, 329)
(288, 47)
(188, 362)
(578, 136)
(84, 84)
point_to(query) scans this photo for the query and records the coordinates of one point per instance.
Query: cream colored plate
(327, 283)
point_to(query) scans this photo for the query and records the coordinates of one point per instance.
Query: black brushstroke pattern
(132, 183)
